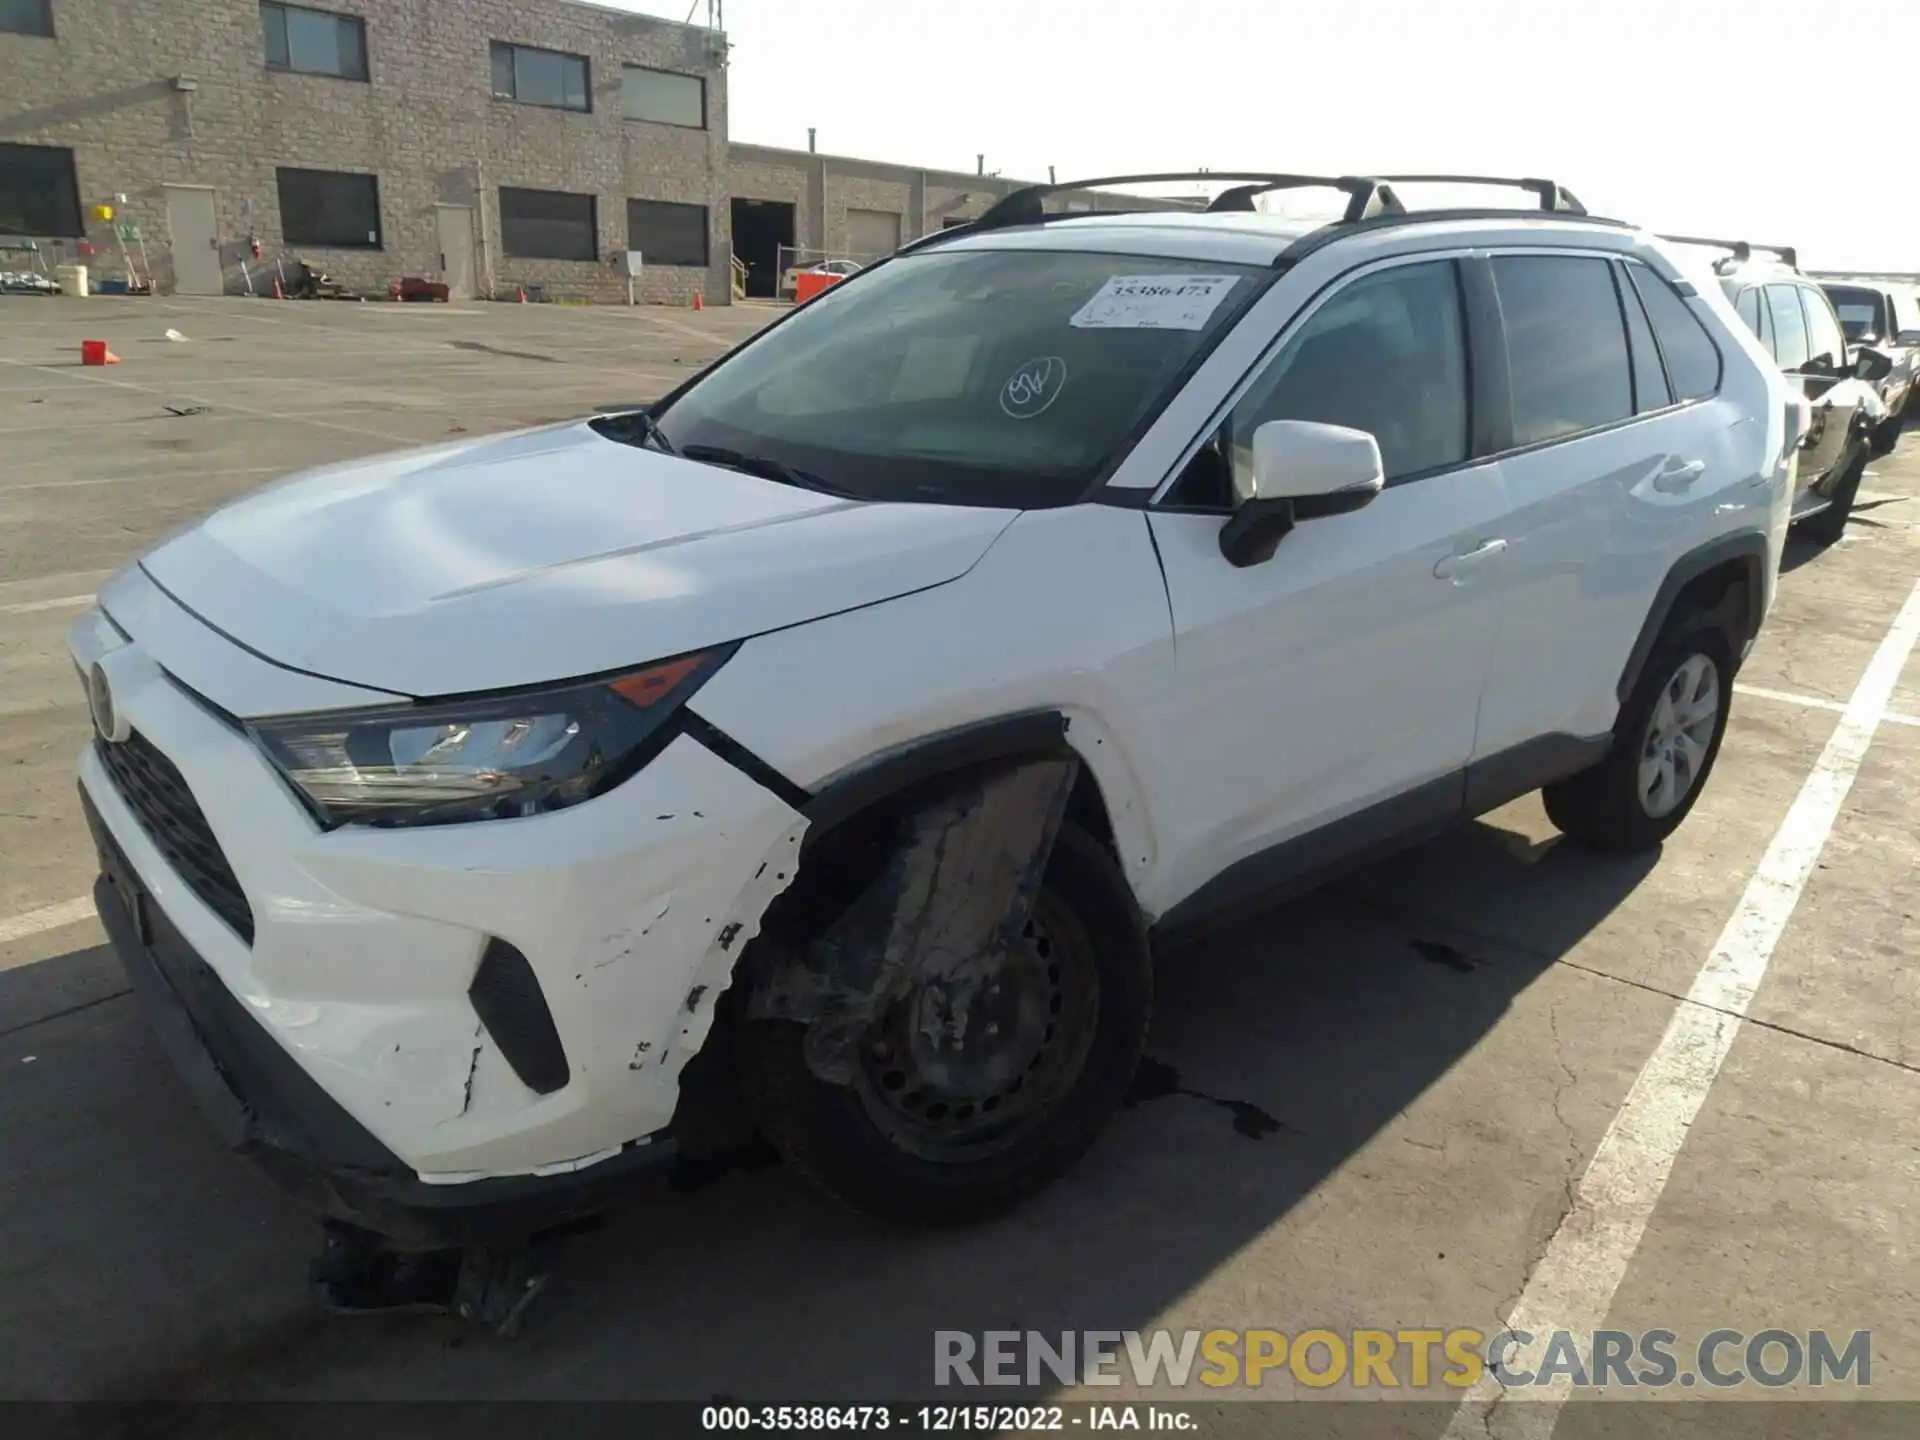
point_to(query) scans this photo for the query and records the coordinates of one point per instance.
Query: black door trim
(1494, 781)
(1309, 861)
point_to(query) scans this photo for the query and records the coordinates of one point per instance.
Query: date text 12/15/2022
(947, 1419)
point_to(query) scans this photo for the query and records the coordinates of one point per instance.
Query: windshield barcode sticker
(1154, 302)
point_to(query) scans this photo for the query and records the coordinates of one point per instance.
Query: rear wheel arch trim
(1746, 550)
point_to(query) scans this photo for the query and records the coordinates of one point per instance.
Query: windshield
(1859, 311)
(985, 377)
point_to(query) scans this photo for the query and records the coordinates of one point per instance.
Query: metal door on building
(872, 233)
(195, 236)
(456, 249)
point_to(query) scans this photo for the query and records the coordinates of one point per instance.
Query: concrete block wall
(822, 188)
(427, 125)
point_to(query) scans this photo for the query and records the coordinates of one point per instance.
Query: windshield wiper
(765, 466)
(635, 427)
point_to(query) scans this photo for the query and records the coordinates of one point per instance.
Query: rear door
(1613, 454)
(1818, 376)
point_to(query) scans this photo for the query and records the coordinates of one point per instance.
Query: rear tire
(871, 1147)
(1830, 524)
(1665, 741)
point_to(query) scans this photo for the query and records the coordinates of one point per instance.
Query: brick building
(491, 143)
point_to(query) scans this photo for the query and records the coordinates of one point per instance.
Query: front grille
(158, 796)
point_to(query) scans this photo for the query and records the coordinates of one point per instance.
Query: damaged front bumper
(431, 1033)
(271, 1112)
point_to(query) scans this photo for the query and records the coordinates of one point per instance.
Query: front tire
(1665, 741)
(939, 1139)
(1886, 434)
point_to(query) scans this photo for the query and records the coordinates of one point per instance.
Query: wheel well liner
(1728, 574)
(948, 753)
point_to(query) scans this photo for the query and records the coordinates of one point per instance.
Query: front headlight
(490, 757)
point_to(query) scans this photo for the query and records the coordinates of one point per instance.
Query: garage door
(873, 232)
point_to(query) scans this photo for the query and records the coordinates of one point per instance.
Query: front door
(456, 250)
(1344, 672)
(195, 236)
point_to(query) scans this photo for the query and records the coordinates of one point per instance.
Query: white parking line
(51, 917)
(27, 607)
(1817, 702)
(1573, 1285)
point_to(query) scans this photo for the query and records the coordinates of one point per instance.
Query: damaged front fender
(954, 895)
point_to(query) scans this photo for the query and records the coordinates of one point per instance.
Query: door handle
(1451, 565)
(1676, 478)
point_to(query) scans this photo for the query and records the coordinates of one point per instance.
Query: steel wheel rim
(922, 1120)
(1679, 734)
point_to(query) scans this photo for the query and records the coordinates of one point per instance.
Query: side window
(1826, 345)
(1566, 345)
(1749, 307)
(1386, 355)
(1789, 327)
(1693, 360)
(1650, 390)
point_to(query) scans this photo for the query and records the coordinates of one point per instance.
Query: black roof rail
(1742, 249)
(1550, 195)
(1316, 239)
(1025, 206)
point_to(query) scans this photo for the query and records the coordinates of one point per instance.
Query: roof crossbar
(1550, 195)
(1365, 197)
(1742, 249)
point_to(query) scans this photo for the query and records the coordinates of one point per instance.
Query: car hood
(540, 556)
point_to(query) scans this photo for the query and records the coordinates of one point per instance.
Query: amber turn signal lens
(644, 687)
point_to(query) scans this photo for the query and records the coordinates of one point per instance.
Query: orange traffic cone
(699, 301)
(95, 352)
(278, 293)
(523, 293)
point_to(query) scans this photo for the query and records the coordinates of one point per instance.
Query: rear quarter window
(1693, 360)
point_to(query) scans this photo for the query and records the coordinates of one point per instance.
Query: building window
(547, 225)
(540, 77)
(314, 42)
(323, 207)
(663, 97)
(38, 193)
(27, 17)
(667, 234)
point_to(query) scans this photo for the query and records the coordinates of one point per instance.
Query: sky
(1775, 123)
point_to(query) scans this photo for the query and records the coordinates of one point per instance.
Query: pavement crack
(1570, 1181)
(1747, 1019)
(62, 1014)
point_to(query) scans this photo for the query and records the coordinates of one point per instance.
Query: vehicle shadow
(143, 1263)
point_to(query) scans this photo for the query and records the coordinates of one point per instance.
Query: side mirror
(1871, 365)
(1302, 470)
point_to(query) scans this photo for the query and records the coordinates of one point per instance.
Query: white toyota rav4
(824, 748)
